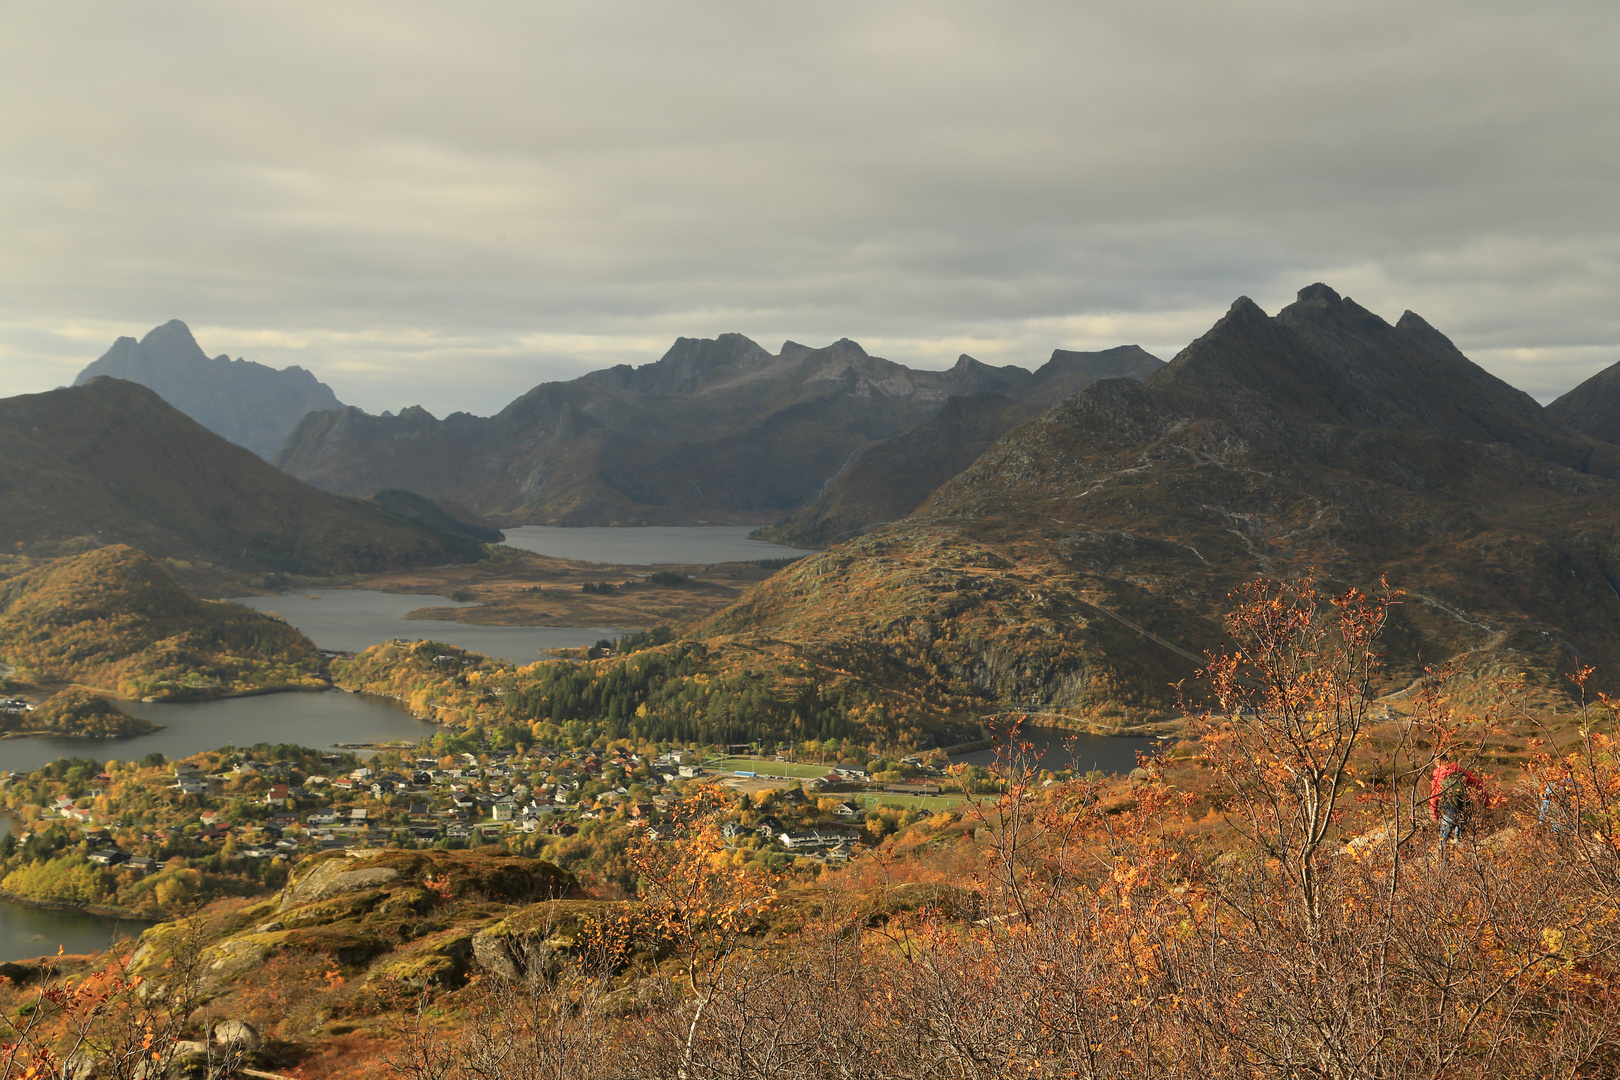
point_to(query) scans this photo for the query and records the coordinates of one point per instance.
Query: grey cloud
(388, 192)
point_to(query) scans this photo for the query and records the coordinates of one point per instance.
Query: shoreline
(99, 911)
(153, 730)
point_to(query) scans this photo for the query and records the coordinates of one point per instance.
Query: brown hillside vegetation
(111, 462)
(1307, 924)
(114, 618)
(1082, 563)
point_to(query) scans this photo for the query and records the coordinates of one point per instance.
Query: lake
(315, 719)
(27, 932)
(1054, 748)
(348, 620)
(649, 545)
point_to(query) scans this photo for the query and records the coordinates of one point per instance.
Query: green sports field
(767, 768)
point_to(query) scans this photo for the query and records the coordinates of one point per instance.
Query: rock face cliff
(1084, 561)
(250, 404)
(717, 430)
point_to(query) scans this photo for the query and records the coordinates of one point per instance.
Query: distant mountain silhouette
(1593, 407)
(718, 430)
(1085, 559)
(111, 462)
(888, 480)
(248, 403)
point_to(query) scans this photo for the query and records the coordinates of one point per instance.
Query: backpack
(1454, 795)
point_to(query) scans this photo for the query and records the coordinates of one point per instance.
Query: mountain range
(110, 462)
(1084, 560)
(889, 479)
(248, 403)
(716, 430)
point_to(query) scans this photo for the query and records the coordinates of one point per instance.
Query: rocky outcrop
(332, 877)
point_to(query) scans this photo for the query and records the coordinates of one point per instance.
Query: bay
(27, 932)
(349, 620)
(649, 545)
(316, 719)
(1055, 748)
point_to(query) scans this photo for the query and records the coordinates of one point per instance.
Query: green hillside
(111, 462)
(114, 618)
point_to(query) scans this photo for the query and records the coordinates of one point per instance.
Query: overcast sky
(446, 203)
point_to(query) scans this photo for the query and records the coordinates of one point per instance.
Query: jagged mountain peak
(1318, 294)
(248, 403)
(173, 336)
(1327, 359)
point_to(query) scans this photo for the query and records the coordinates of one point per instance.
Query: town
(148, 835)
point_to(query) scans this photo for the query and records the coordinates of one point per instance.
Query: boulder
(238, 1035)
(332, 878)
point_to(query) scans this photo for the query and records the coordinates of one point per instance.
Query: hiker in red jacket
(1449, 803)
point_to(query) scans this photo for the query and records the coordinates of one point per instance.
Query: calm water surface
(27, 932)
(313, 719)
(307, 719)
(1055, 748)
(348, 620)
(648, 545)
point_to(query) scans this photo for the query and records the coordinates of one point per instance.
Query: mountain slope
(890, 479)
(248, 403)
(1083, 562)
(716, 430)
(114, 617)
(1593, 407)
(111, 462)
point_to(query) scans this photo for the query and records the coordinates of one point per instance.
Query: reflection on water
(311, 719)
(1054, 748)
(27, 932)
(647, 545)
(348, 620)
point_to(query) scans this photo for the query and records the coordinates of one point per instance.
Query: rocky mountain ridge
(716, 430)
(248, 403)
(1082, 563)
(889, 479)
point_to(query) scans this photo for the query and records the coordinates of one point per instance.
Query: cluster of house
(460, 802)
(835, 844)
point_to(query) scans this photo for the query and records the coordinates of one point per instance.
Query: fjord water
(308, 718)
(348, 620)
(27, 932)
(1054, 748)
(649, 545)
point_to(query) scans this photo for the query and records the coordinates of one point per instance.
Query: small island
(73, 711)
